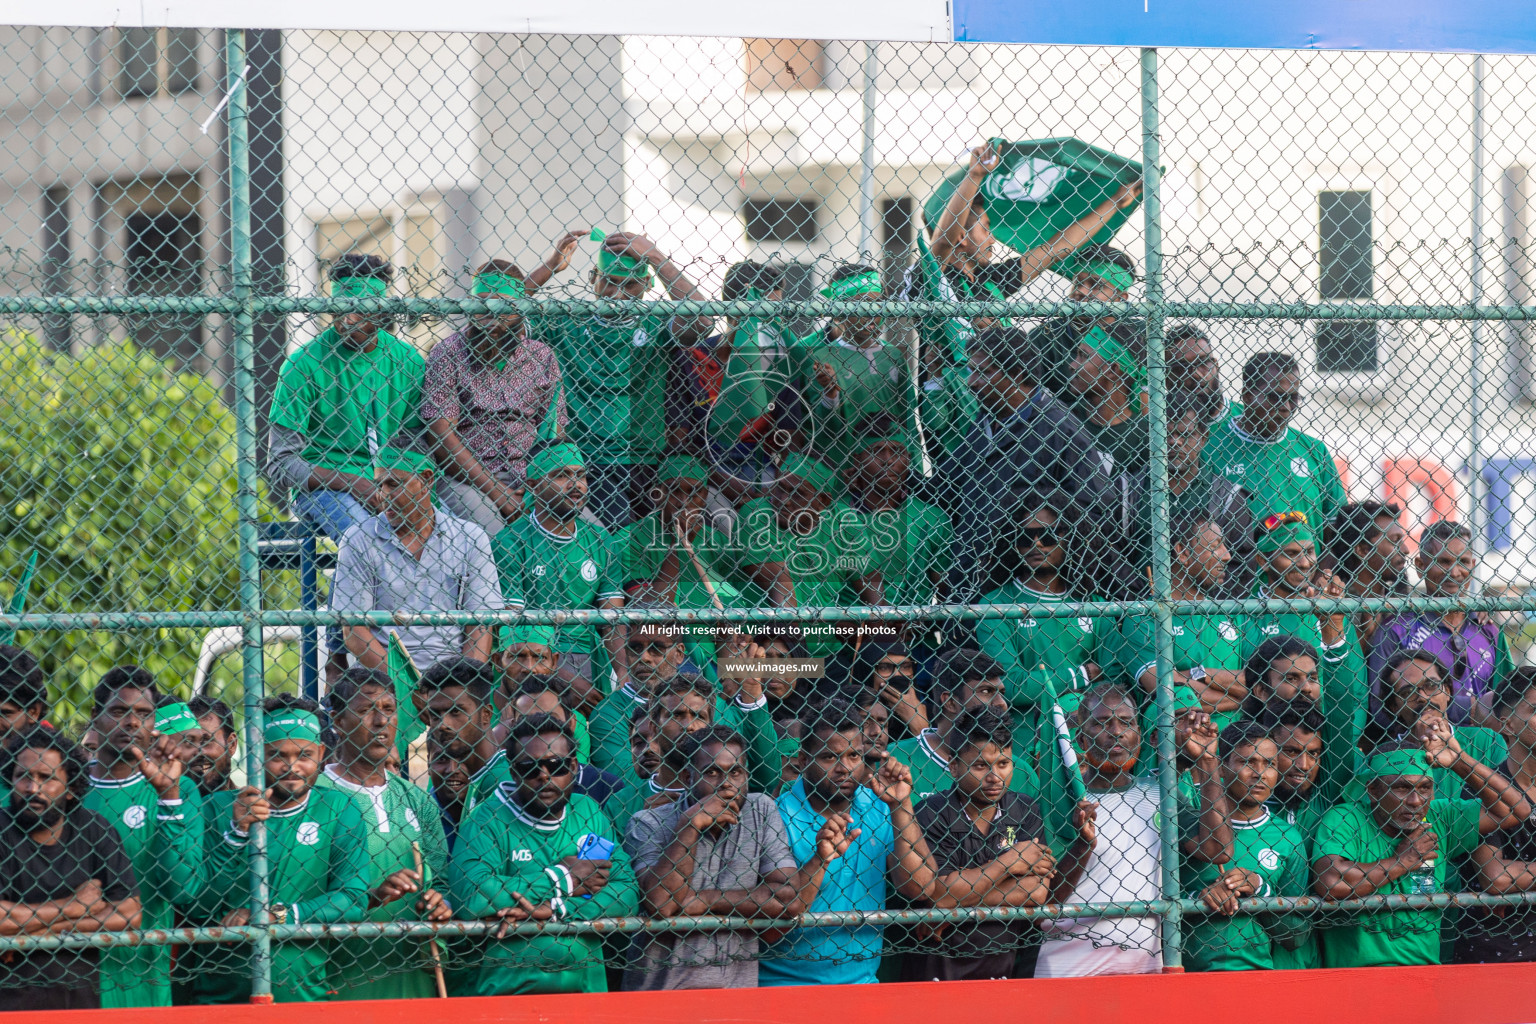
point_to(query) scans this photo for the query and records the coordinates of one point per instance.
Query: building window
(1346, 272)
(781, 220)
(780, 65)
(155, 62)
(165, 257)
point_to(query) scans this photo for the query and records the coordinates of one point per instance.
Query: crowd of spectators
(590, 770)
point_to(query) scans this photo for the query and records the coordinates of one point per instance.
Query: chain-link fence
(497, 514)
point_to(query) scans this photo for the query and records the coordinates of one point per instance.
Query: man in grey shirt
(721, 850)
(414, 558)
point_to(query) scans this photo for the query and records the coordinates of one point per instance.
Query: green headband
(404, 460)
(359, 288)
(174, 718)
(1286, 533)
(613, 264)
(865, 443)
(1397, 762)
(867, 283)
(556, 456)
(1110, 273)
(681, 467)
(1114, 352)
(499, 284)
(811, 471)
(510, 636)
(292, 724)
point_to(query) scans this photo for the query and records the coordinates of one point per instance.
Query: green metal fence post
(1162, 586)
(245, 468)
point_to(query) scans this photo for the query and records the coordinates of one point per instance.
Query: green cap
(808, 469)
(499, 284)
(682, 467)
(508, 637)
(1115, 353)
(613, 264)
(1184, 699)
(359, 288)
(171, 719)
(1276, 531)
(556, 456)
(404, 460)
(1397, 762)
(291, 724)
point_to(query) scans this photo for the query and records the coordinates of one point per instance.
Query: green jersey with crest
(318, 870)
(1277, 853)
(540, 569)
(164, 839)
(394, 815)
(1060, 645)
(615, 382)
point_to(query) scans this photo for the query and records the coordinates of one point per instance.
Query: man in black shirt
(989, 851)
(63, 870)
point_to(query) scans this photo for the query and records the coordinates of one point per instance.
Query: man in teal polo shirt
(339, 399)
(1399, 841)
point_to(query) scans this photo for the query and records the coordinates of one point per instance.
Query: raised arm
(950, 232)
(1505, 804)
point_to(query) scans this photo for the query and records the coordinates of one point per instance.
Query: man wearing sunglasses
(1280, 467)
(537, 851)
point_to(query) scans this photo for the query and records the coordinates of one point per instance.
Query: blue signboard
(1468, 26)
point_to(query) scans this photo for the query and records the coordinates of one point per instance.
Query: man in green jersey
(137, 784)
(339, 399)
(802, 547)
(1207, 649)
(1106, 376)
(909, 538)
(1269, 858)
(616, 372)
(317, 857)
(963, 680)
(537, 851)
(1302, 795)
(1287, 553)
(398, 820)
(552, 558)
(1281, 468)
(1071, 652)
(1399, 841)
(656, 656)
(847, 373)
(525, 650)
(458, 716)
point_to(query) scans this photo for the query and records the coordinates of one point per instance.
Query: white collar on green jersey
(925, 741)
(633, 694)
(1258, 822)
(354, 787)
(1043, 596)
(100, 783)
(555, 538)
(1243, 435)
(501, 755)
(657, 787)
(506, 793)
(288, 812)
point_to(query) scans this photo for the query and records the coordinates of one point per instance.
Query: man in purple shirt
(490, 392)
(1471, 645)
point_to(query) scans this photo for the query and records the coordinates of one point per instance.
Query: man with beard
(1302, 794)
(209, 750)
(718, 850)
(533, 853)
(1269, 858)
(1368, 547)
(1416, 691)
(552, 558)
(317, 856)
(1470, 644)
(63, 870)
(1400, 840)
(1192, 366)
(854, 843)
(488, 390)
(656, 655)
(137, 783)
(457, 716)
(396, 815)
(1101, 273)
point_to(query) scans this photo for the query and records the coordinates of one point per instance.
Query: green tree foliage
(121, 472)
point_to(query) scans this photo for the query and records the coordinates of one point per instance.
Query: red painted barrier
(1486, 994)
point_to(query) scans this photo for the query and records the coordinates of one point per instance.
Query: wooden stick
(698, 567)
(437, 964)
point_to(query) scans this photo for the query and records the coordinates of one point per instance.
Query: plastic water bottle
(1421, 880)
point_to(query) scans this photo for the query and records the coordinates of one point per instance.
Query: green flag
(406, 677)
(1061, 780)
(19, 596)
(1043, 186)
(549, 429)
